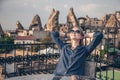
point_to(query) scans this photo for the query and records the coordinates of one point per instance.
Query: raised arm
(97, 37)
(56, 37)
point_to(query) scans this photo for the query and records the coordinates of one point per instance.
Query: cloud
(88, 7)
(65, 5)
(48, 8)
(25, 4)
(33, 3)
(34, 6)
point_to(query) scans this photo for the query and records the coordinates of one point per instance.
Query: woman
(73, 55)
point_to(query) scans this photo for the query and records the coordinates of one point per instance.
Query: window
(96, 22)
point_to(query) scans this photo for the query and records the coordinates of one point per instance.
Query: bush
(4, 44)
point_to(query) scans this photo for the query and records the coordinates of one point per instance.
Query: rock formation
(19, 26)
(105, 18)
(36, 24)
(53, 21)
(88, 21)
(71, 19)
(117, 14)
(112, 21)
(1, 30)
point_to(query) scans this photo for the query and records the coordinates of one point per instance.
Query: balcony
(38, 61)
(22, 60)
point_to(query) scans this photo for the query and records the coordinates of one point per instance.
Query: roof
(81, 18)
(24, 38)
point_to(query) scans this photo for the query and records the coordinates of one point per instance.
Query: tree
(35, 48)
(6, 43)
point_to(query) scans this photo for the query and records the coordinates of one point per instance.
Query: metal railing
(24, 60)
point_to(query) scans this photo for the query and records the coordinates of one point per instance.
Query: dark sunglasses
(76, 31)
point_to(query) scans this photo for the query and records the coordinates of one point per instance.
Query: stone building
(40, 34)
(24, 40)
(95, 22)
(11, 33)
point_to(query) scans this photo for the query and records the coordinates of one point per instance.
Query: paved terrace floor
(36, 77)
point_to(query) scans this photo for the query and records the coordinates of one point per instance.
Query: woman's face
(75, 34)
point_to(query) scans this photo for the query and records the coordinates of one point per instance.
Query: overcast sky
(12, 11)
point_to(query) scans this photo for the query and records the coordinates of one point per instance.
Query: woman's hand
(88, 35)
(62, 34)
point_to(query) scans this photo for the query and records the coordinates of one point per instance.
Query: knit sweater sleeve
(56, 38)
(97, 38)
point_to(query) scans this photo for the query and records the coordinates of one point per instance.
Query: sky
(12, 11)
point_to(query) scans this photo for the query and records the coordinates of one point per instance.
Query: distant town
(21, 51)
(36, 33)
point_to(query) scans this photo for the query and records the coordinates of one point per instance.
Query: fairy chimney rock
(36, 24)
(19, 26)
(112, 21)
(117, 14)
(105, 18)
(1, 30)
(71, 18)
(53, 21)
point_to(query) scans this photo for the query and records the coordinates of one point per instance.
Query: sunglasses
(76, 31)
